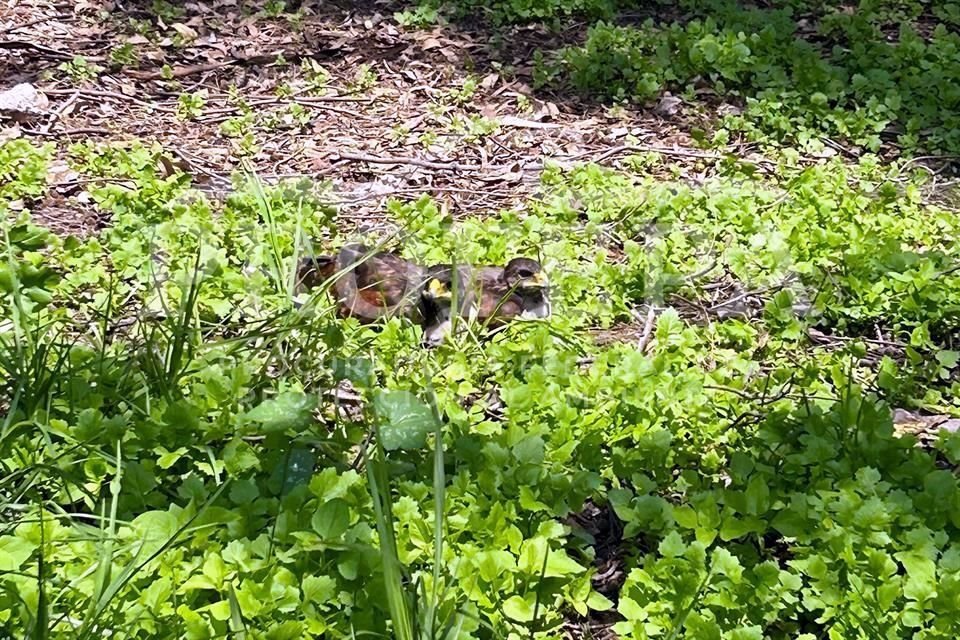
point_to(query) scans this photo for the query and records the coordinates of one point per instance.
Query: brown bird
(446, 289)
(519, 290)
(368, 285)
(491, 295)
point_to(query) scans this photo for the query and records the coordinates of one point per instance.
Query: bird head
(445, 295)
(525, 273)
(313, 270)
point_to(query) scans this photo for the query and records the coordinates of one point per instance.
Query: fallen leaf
(488, 110)
(618, 132)
(59, 172)
(908, 422)
(10, 133)
(550, 109)
(413, 123)
(513, 173)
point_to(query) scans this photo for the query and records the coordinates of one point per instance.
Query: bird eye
(526, 273)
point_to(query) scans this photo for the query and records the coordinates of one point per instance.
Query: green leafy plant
(190, 105)
(124, 55)
(79, 70)
(275, 8)
(699, 442)
(864, 89)
(421, 16)
(465, 92)
(364, 79)
(317, 77)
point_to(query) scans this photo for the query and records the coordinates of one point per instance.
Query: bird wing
(378, 285)
(496, 300)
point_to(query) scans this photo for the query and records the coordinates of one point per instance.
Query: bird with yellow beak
(491, 295)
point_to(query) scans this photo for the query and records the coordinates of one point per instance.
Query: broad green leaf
(921, 575)
(319, 589)
(530, 450)
(941, 485)
(701, 627)
(286, 630)
(672, 545)
(630, 609)
(685, 516)
(599, 602)
(215, 569)
(790, 523)
(243, 491)
(405, 420)
(758, 495)
(559, 564)
(287, 411)
(197, 627)
(528, 500)
(948, 359)
(519, 608)
(14, 551)
(220, 610)
(494, 562)
(747, 633)
(169, 458)
(734, 527)
(332, 519)
(239, 457)
(533, 552)
(726, 564)
(156, 528)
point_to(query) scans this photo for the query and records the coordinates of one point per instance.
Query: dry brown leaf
(10, 133)
(59, 172)
(908, 422)
(489, 81)
(413, 123)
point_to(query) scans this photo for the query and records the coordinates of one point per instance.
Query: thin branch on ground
(56, 53)
(644, 341)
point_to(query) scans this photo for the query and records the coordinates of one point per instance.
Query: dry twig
(644, 341)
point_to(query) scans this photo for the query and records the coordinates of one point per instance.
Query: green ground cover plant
(191, 449)
(866, 75)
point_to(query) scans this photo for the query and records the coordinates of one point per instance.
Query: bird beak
(437, 290)
(538, 280)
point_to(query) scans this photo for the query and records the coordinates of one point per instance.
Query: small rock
(668, 106)
(618, 132)
(729, 110)
(23, 99)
